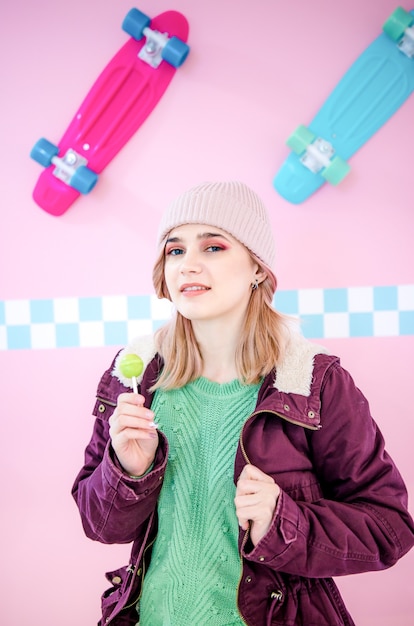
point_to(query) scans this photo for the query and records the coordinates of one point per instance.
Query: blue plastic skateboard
(370, 92)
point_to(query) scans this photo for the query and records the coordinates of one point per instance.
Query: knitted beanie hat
(231, 206)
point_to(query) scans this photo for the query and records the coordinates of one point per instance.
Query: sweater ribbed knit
(195, 565)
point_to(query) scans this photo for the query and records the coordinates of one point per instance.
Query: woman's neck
(218, 350)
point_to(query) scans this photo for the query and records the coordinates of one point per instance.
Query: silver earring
(255, 285)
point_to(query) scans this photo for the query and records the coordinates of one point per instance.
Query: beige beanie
(231, 206)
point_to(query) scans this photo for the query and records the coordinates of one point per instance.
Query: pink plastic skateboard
(118, 103)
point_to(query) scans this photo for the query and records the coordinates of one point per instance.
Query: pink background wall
(256, 70)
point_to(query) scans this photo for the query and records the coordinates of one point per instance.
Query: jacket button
(116, 580)
(101, 408)
(311, 414)
(248, 579)
(286, 407)
(139, 571)
(261, 558)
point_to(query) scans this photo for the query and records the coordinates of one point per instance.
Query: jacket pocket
(111, 596)
(119, 594)
(103, 408)
(306, 488)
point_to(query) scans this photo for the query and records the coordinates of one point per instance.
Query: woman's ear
(260, 275)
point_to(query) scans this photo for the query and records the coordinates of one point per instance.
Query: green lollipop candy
(131, 366)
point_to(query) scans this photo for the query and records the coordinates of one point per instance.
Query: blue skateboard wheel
(43, 152)
(175, 52)
(84, 179)
(135, 22)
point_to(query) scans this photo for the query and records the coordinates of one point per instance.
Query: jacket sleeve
(114, 507)
(361, 523)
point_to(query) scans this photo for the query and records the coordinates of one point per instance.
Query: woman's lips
(194, 289)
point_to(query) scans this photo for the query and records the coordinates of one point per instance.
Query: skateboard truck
(71, 168)
(406, 45)
(151, 53)
(66, 166)
(318, 155)
(400, 28)
(158, 46)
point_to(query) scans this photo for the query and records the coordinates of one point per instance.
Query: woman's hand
(256, 499)
(134, 436)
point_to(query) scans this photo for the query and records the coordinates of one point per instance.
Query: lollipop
(131, 366)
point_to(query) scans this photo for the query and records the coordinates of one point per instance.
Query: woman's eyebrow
(206, 235)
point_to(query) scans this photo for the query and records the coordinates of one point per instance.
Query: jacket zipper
(246, 458)
(241, 576)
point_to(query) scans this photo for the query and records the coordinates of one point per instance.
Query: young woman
(247, 470)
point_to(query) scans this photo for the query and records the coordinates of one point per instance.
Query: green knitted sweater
(195, 565)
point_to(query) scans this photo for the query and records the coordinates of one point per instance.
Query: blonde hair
(260, 349)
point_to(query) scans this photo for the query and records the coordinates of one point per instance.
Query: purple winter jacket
(342, 508)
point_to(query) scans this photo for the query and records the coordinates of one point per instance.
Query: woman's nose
(190, 262)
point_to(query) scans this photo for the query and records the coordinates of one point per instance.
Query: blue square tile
(156, 324)
(406, 322)
(385, 298)
(361, 324)
(287, 301)
(335, 300)
(312, 326)
(67, 335)
(41, 311)
(19, 338)
(90, 309)
(139, 307)
(115, 333)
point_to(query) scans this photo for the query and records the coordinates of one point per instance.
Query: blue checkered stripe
(113, 320)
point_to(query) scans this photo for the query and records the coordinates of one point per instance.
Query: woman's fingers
(131, 417)
(133, 433)
(255, 501)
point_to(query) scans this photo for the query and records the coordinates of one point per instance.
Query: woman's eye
(214, 248)
(174, 251)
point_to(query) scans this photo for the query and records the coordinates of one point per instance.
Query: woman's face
(208, 273)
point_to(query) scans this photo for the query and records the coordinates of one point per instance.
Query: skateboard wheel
(397, 23)
(336, 171)
(175, 52)
(43, 152)
(135, 22)
(84, 179)
(300, 139)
